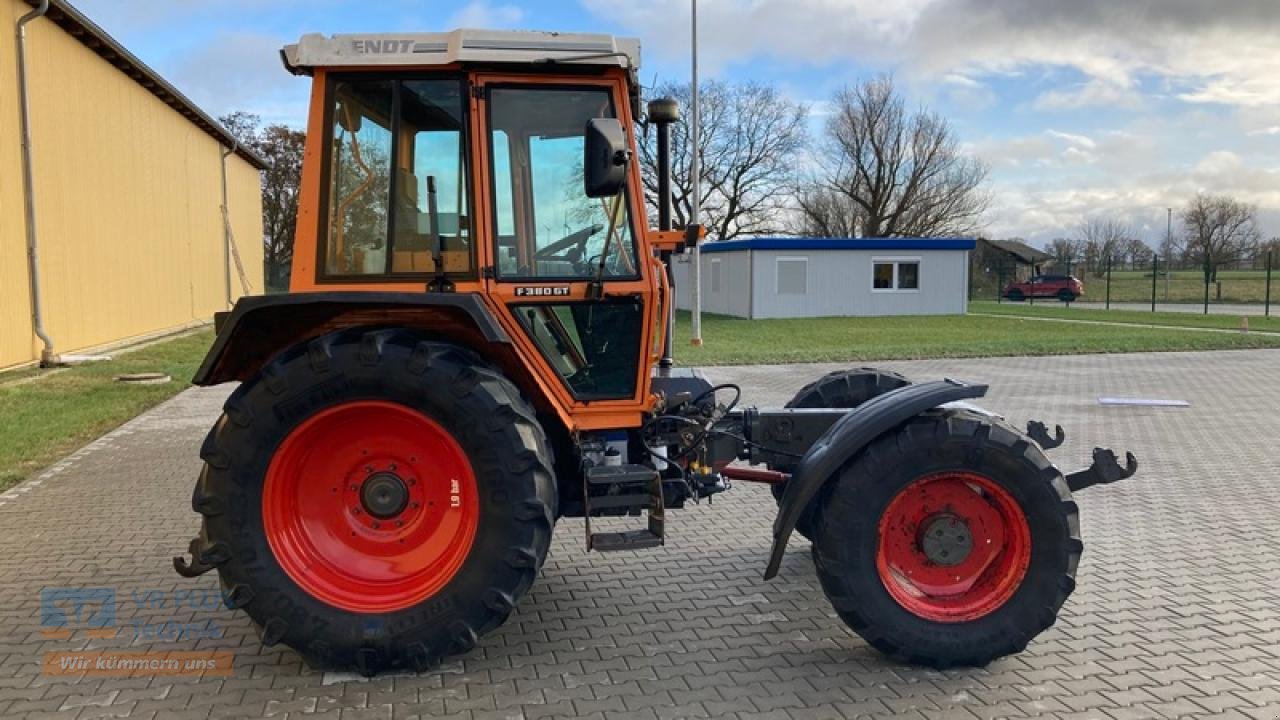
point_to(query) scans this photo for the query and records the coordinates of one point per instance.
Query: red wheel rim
(370, 506)
(954, 547)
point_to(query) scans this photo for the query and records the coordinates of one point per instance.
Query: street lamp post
(695, 173)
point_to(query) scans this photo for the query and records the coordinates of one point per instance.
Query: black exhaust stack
(662, 112)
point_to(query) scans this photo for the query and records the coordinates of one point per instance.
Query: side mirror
(604, 158)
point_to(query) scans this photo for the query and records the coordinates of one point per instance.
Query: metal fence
(1152, 285)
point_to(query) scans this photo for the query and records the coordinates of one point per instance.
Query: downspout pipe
(47, 355)
(226, 219)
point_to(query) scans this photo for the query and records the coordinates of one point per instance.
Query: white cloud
(1217, 52)
(241, 71)
(1082, 141)
(482, 14)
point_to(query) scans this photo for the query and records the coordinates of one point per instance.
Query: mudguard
(261, 325)
(846, 438)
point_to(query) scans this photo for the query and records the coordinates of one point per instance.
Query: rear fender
(260, 327)
(846, 438)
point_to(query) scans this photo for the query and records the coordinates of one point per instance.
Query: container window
(793, 276)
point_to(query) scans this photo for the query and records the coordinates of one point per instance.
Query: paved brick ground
(1175, 615)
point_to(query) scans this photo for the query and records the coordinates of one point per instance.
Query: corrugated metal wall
(128, 194)
(728, 294)
(839, 283)
(835, 283)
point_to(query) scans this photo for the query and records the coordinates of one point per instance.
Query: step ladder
(627, 488)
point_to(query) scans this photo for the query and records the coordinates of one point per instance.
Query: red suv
(1064, 287)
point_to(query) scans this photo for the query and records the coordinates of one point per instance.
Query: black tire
(1066, 296)
(1015, 295)
(487, 417)
(838, 389)
(845, 552)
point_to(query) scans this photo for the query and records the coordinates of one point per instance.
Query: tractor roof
(466, 46)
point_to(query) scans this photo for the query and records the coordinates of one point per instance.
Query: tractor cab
(495, 165)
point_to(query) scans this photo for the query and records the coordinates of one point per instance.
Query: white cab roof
(485, 46)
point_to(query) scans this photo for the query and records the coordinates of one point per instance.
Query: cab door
(565, 270)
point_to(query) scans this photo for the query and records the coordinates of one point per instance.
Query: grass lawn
(731, 341)
(1136, 317)
(45, 414)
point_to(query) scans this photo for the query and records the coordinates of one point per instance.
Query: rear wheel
(838, 389)
(381, 501)
(1015, 295)
(952, 541)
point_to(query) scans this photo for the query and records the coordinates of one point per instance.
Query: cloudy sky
(1112, 108)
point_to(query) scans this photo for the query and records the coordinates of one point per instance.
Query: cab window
(547, 227)
(397, 178)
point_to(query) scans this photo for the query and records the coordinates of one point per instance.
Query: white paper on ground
(1144, 402)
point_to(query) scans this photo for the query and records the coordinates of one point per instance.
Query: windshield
(546, 226)
(397, 178)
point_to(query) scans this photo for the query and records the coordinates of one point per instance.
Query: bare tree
(897, 172)
(1271, 246)
(1137, 252)
(749, 137)
(1065, 251)
(823, 212)
(1103, 241)
(1218, 230)
(282, 147)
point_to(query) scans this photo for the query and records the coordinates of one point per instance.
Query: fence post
(1206, 283)
(999, 281)
(1266, 312)
(1108, 282)
(1155, 273)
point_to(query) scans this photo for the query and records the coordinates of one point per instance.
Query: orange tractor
(477, 343)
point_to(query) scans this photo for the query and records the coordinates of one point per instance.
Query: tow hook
(205, 556)
(1038, 431)
(1105, 469)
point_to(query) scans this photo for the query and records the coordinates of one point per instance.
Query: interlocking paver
(1175, 614)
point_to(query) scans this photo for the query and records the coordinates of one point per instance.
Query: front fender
(858, 428)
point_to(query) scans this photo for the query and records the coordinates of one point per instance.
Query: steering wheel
(560, 249)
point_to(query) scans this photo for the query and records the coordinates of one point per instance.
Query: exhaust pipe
(48, 357)
(662, 112)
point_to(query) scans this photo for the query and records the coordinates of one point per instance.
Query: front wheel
(952, 541)
(838, 389)
(379, 501)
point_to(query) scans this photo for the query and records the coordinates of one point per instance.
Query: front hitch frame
(1105, 469)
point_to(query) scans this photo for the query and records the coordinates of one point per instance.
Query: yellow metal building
(127, 176)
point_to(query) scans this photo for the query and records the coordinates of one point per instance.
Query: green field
(731, 341)
(45, 414)
(1135, 317)
(1185, 286)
